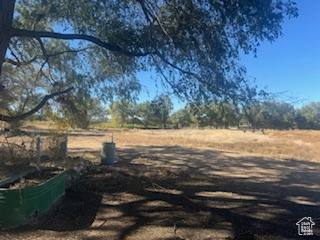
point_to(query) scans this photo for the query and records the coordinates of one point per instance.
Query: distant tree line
(262, 115)
(158, 113)
(280, 115)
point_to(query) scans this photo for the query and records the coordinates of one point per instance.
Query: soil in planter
(33, 179)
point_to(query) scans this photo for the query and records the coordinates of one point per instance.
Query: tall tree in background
(271, 114)
(308, 116)
(181, 118)
(126, 94)
(226, 115)
(146, 113)
(278, 115)
(121, 111)
(199, 114)
(194, 46)
(162, 106)
(218, 115)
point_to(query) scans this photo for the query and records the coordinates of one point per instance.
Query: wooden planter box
(24, 205)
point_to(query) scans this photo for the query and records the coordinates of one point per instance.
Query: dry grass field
(188, 184)
(296, 144)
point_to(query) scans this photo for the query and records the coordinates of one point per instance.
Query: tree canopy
(193, 46)
(308, 116)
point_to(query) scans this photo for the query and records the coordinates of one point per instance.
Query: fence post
(38, 151)
(66, 146)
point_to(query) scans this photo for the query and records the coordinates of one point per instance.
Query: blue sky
(291, 63)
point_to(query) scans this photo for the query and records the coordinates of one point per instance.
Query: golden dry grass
(294, 144)
(297, 144)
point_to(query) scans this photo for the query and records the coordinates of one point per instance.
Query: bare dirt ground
(189, 184)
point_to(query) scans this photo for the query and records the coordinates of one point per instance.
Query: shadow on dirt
(181, 193)
(76, 210)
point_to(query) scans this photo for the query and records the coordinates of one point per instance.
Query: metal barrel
(108, 153)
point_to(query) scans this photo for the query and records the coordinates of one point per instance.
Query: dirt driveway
(174, 192)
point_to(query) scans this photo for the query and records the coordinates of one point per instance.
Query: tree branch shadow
(190, 194)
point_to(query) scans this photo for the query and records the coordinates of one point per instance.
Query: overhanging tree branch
(18, 63)
(43, 49)
(34, 110)
(43, 34)
(177, 67)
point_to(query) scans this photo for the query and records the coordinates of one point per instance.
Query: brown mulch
(33, 179)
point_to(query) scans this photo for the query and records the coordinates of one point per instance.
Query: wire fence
(21, 151)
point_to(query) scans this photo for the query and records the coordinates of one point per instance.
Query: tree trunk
(6, 16)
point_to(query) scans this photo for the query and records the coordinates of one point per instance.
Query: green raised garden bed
(21, 203)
